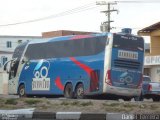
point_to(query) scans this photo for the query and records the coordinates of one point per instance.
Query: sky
(84, 15)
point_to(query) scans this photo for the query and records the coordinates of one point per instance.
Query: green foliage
(11, 101)
(86, 103)
(32, 101)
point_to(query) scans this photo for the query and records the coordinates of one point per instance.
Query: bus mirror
(28, 62)
(25, 60)
(7, 67)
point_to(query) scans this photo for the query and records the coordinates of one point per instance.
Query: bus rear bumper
(129, 92)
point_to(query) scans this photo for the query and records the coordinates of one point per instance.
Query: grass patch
(11, 101)
(111, 104)
(32, 101)
(116, 109)
(154, 106)
(2, 101)
(64, 103)
(86, 103)
(129, 105)
(75, 103)
(48, 102)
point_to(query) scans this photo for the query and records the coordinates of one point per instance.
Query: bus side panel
(50, 76)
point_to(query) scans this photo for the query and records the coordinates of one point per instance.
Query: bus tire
(68, 91)
(79, 93)
(21, 91)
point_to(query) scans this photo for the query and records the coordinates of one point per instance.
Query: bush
(11, 101)
(86, 103)
(32, 101)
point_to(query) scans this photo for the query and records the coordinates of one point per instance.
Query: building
(64, 33)
(152, 57)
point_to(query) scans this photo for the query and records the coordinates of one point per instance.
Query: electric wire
(68, 12)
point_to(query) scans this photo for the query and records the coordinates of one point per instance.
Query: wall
(155, 73)
(3, 83)
(9, 57)
(15, 41)
(155, 45)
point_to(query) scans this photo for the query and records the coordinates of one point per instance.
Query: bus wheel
(79, 94)
(68, 91)
(21, 91)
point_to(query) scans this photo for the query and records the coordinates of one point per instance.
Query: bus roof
(69, 37)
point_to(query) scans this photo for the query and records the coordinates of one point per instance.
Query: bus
(78, 65)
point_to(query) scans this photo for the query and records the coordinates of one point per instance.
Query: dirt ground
(85, 105)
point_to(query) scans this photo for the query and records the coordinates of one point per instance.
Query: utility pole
(106, 26)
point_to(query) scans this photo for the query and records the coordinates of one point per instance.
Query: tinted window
(128, 42)
(19, 50)
(146, 79)
(67, 48)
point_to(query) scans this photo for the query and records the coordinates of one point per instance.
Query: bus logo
(40, 80)
(127, 54)
(126, 78)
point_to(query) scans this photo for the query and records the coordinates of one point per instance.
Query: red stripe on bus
(59, 83)
(93, 76)
(80, 37)
(83, 66)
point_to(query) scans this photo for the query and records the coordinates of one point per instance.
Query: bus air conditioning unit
(127, 30)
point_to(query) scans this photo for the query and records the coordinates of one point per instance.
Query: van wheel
(141, 97)
(79, 94)
(21, 91)
(68, 91)
(156, 99)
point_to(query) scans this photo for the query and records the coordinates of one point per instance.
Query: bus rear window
(128, 42)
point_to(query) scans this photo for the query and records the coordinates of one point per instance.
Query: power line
(138, 1)
(71, 11)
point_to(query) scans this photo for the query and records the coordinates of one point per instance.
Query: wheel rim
(80, 92)
(22, 92)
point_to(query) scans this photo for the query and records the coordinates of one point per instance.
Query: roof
(68, 37)
(57, 33)
(12, 36)
(150, 28)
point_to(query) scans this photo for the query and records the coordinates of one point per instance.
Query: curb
(70, 116)
(31, 114)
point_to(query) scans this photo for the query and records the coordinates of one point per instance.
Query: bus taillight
(108, 77)
(150, 87)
